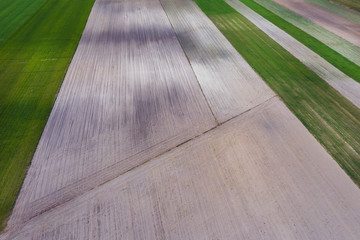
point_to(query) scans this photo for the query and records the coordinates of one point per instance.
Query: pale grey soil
(129, 95)
(133, 151)
(229, 83)
(259, 176)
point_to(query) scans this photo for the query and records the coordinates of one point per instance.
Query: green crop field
(331, 118)
(13, 13)
(330, 55)
(33, 62)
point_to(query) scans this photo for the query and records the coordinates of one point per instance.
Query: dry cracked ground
(161, 130)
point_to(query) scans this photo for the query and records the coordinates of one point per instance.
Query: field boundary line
(192, 69)
(20, 225)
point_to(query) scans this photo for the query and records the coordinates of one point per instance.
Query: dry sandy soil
(133, 151)
(348, 87)
(338, 25)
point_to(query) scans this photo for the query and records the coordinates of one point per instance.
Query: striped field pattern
(204, 119)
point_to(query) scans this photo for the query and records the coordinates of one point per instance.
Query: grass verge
(33, 63)
(332, 119)
(330, 55)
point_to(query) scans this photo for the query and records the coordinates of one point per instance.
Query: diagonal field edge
(28, 86)
(331, 118)
(349, 88)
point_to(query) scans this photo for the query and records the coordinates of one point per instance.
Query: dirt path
(348, 87)
(338, 25)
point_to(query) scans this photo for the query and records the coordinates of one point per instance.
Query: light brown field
(133, 151)
(129, 95)
(229, 84)
(338, 25)
(258, 176)
(347, 86)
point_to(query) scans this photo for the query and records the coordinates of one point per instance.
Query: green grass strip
(33, 63)
(331, 118)
(330, 55)
(13, 13)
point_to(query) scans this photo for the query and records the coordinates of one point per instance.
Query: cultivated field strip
(343, 12)
(330, 117)
(348, 87)
(129, 95)
(230, 85)
(332, 40)
(351, 4)
(333, 57)
(222, 185)
(338, 25)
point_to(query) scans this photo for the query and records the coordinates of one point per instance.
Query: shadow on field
(139, 36)
(197, 45)
(151, 107)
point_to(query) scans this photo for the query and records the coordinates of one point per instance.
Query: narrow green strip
(330, 55)
(33, 63)
(331, 118)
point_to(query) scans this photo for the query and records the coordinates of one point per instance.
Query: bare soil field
(129, 95)
(338, 25)
(230, 85)
(348, 87)
(161, 130)
(222, 185)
